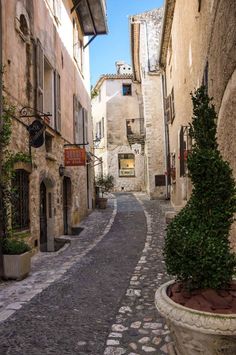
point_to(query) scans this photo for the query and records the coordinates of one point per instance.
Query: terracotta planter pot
(17, 267)
(197, 332)
(102, 202)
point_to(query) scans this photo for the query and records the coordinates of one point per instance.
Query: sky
(105, 50)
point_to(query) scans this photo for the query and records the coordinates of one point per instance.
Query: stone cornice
(166, 30)
(111, 77)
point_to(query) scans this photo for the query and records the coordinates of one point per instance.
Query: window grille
(20, 205)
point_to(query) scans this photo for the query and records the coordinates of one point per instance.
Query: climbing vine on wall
(9, 158)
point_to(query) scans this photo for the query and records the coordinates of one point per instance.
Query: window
(127, 89)
(80, 123)
(20, 207)
(126, 165)
(77, 46)
(48, 98)
(22, 22)
(170, 107)
(100, 129)
(57, 10)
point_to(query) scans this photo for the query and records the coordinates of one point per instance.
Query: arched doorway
(47, 212)
(66, 204)
(43, 217)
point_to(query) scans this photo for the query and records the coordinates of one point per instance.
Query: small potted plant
(16, 258)
(200, 305)
(105, 184)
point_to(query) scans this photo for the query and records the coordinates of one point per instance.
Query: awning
(92, 16)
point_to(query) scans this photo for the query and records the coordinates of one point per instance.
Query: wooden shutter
(39, 76)
(172, 102)
(76, 43)
(85, 126)
(57, 101)
(74, 117)
(78, 121)
(168, 169)
(181, 151)
(168, 109)
(205, 76)
(57, 9)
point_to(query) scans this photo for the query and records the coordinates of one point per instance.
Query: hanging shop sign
(75, 157)
(136, 148)
(36, 133)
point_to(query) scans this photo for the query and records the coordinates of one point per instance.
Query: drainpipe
(1, 157)
(166, 135)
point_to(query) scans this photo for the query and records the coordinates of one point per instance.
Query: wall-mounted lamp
(61, 170)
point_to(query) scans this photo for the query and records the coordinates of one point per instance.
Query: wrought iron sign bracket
(75, 144)
(29, 112)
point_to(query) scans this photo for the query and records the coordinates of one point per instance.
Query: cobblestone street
(96, 295)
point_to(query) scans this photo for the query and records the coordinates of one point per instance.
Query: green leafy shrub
(13, 246)
(197, 249)
(105, 183)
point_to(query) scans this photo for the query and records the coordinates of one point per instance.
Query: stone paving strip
(50, 267)
(139, 329)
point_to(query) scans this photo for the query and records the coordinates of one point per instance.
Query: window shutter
(57, 100)
(181, 151)
(76, 44)
(57, 9)
(172, 102)
(168, 169)
(78, 121)
(75, 117)
(39, 75)
(205, 77)
(168, 109)
(85, 126)
(103, 129)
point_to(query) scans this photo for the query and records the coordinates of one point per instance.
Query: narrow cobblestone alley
(97, 295)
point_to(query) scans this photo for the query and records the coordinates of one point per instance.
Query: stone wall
(149, 40)
(116, 110)
(20, 89)
(202, 40)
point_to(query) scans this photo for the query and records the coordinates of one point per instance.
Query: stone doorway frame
(49, 183)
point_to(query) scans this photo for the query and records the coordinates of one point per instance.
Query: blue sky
(106, 50)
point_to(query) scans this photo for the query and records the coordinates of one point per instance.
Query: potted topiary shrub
(200, 305)
(105, 184)
(16, 258)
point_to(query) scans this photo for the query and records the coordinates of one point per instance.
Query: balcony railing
(135, 131)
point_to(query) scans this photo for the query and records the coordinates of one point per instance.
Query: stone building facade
(46, 70)
(198, 47)
(145, 41)
(118, 125)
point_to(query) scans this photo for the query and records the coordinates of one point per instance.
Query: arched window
(22, 21)
(20, 205)
(24, 25)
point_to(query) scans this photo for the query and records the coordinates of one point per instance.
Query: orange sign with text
(75, 157)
